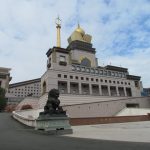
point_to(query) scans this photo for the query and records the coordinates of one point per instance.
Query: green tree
(2, 99)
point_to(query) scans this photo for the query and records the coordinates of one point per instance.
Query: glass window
(62, 58)
(101, 72)
(120, 74)
(65, 76)
(83, 68)
(109, 73)
(82, 78)
(92, 70)
(113, 74)
(87, 70)
(59, 75)
(73, 68)
(105, 73)
(78, 68)
(96, 71)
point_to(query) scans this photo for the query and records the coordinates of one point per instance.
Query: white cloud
(120, 30)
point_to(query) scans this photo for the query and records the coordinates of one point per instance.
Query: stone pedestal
(54, 124)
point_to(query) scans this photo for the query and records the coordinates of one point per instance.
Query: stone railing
(27, 117)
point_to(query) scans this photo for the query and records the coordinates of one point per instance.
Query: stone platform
(53, 124)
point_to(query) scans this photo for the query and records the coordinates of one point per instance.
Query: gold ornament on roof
(80, 30)
(79, 35)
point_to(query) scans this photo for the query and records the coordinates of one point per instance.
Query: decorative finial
(58, 21)
(78, 24)
(58, 26)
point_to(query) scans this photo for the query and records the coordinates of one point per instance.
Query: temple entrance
(105, 90)
(128, 91)
(85, 88)
(121, 91)
(95, 89)
(74, 88)
(113, 91)
(62, 87)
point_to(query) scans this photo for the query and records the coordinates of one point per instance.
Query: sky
(120, 31)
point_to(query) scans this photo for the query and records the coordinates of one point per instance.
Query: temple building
(86, 89)
(75, 70)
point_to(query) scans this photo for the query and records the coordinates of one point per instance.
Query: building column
(125, 93)
(90, 89)
(80, 90)
(117, 91)
(68, 87)
(109, 90)
(100, 90)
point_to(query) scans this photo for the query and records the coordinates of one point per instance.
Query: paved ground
(133, 131)
(14, 136)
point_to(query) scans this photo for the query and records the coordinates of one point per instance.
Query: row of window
(99, 72)
(92, 79)
(22, 92)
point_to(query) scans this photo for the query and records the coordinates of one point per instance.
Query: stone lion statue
(52, 105)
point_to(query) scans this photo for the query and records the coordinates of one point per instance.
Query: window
(96, 80)
(92, 79)
(105, 73)
(73, 68)
(0, 83)
(82, 78)
(77, 77)
(113, 74)
(92, 70)
(101, 72)
(71, 77)
(62, 58)
(59, 75)
(87, 70)
(114, 81)
(87, 79)
(101, 80)
(109, 73)
(118, 82)
(96, 71)
(83, 69)
(136, 83)
(65, 76)
(109, 81)
(105, 81)
(78, 68)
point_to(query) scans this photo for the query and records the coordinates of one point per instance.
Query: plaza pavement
(132, 131)
(15, 136)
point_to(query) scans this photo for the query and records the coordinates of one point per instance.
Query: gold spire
(58, 26)
(80, 30)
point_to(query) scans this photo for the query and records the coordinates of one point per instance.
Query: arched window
(86, 62)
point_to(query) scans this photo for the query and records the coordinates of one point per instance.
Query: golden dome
(80, 30)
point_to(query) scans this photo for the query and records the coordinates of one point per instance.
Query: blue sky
(120, 30)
